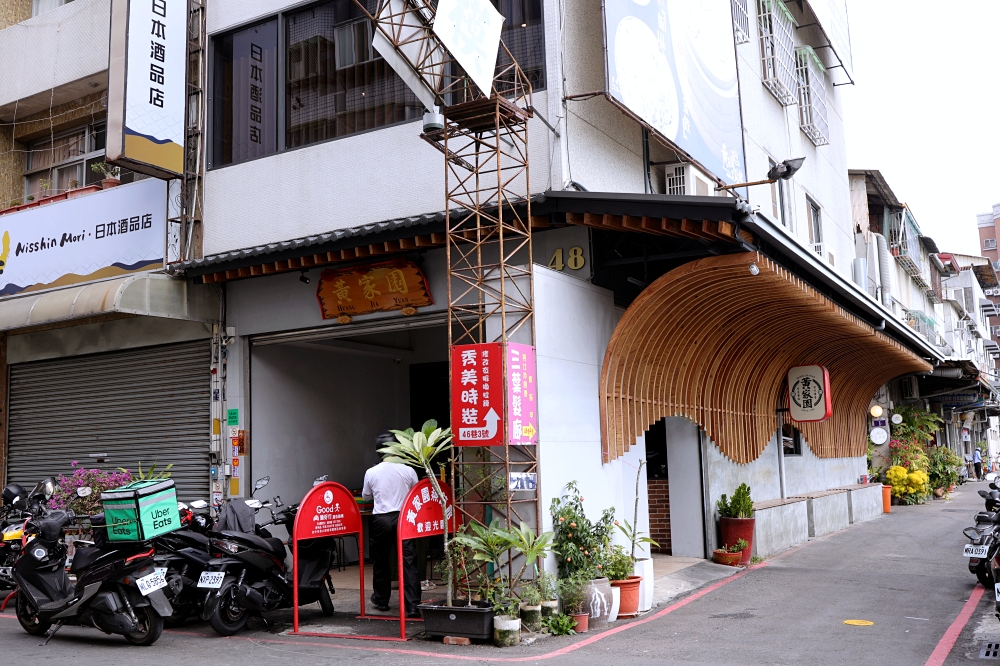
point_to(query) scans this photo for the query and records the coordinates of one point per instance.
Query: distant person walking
(977, 462)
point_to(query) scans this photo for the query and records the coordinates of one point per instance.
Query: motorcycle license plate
(974, 551)
(211, 579)
(6, 573)
(151, 583)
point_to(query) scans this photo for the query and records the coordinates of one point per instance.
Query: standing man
(977, 462)
(388, 483)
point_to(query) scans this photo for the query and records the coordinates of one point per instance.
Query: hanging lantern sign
(809, 397)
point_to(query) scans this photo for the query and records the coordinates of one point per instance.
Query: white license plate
(974, 551)
(151, 583)
(211, 579)
(6, 572)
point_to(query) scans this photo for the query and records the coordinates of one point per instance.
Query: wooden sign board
(381, 287)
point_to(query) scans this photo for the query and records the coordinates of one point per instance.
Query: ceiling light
(754, 269)
(303, 277)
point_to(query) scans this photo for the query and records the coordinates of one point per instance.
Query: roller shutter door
(149, 405)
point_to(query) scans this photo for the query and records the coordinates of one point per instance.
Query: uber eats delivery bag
(141, 510)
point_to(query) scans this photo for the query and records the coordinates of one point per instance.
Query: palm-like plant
(523, 540)
(419, 449)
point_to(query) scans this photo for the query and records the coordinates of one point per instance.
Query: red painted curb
(947, 641)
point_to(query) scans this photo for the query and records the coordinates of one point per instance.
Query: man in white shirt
(388, 483)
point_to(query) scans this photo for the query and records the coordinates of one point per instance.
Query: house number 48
(574, 259)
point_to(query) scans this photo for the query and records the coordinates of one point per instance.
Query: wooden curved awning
(711, 342)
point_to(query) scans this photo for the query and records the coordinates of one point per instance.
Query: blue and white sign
(673, 63)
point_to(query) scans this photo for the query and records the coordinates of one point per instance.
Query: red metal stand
(10, 596)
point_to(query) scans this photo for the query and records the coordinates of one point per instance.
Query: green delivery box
(141, 510)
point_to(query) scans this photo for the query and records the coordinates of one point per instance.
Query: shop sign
(809, 393)
(381, 287)
(233, 417)
(521, 389)
(477, 394)
(329, 509)
(421, 513)
(97, 236)
(147, 93)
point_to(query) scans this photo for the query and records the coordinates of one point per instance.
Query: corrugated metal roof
(296, 246)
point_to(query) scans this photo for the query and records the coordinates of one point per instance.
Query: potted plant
(506, 622)
(111, 174)
(620, 569)
(550, 594)
(729, 555)
(579, 543)
(573, 595)
(560, 625)
(736, 520)
(641, 566)
(531, 607)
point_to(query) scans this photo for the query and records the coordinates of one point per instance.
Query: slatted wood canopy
(711, 342)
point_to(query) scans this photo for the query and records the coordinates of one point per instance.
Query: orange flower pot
(886, 499)
(582, 622)
(629, 605)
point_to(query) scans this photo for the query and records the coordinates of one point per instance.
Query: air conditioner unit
(688, 180)
(909, 388)
(818, 248)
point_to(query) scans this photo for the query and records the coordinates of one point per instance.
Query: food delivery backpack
(141, 510)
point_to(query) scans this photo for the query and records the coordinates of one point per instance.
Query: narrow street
(903, 572)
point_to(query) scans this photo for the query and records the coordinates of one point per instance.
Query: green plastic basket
(141, 510)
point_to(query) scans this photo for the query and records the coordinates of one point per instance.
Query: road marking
(859, 623)
(947, 641)
(925, 619)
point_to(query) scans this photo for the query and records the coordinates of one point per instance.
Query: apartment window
(791, 440)
(777, 196)
(815, 222)
(42, 6)
(63, 162)
(812, 96)
(990, 244)
(741, 21)
(777, 55)
(335, 83)
(245, 95)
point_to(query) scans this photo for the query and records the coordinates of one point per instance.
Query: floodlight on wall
(303, 277)
(782, 171)
(875, 411)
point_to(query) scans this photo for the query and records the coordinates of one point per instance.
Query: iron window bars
(777, 51)
(812, 96)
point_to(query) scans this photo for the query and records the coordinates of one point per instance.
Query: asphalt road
(904, 572)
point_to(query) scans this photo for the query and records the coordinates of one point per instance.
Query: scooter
(117, 589)
(253, 576)
(983, 541)
(183, 555)
(12, 520)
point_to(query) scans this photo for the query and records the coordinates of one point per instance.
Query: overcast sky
(926, 108)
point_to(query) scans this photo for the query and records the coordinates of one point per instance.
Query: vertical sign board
(809, 398)
(147, 93)
(481, 394)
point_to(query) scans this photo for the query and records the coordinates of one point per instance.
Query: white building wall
(574, 321)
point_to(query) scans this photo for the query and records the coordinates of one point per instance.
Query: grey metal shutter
(149, 405)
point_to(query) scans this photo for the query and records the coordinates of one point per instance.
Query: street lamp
(875, 411)
(782, 171)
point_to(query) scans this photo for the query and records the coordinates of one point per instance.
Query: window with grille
(812, 96)
(990, 244)
(675, 181)
(741, 21)
(777, 51)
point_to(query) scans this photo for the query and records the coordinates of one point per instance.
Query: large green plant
(419, 449)
(740, 506)
(579, 541)
(943, 466)
(918, 424)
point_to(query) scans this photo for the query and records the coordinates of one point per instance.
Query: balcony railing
(904, 243)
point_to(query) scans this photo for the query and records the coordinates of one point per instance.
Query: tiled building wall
(14, 11)
(659, 514)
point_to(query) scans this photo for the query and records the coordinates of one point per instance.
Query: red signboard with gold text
(388, 285)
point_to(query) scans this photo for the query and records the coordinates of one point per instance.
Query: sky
(925, 110)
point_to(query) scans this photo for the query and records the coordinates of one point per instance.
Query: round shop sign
(328, 497)
(878, 436)
(897, 419)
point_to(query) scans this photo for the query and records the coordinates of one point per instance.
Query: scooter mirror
(84, 491)
(199, 504)
(181, 506)
(49, 487)
(320, 479)
(993, 486)
(254, 503)
(261, 482)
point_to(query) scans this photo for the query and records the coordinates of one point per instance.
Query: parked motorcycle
(252, 575)
(183, 555)
(983, 539)
(12, 520)
(117, 589)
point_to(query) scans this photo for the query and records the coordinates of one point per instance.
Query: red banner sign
(329, 509)
(521, 393)
(477, 394)
(421, 513)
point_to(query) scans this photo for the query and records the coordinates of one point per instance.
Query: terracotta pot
(733, 529)
(629, 604)
(886, 499)
(110, 182)
(598, 602)
(939, 492)
(729, 559)
(951, 488)
(582, 625)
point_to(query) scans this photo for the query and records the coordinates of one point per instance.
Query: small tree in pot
(573, 595)
(736, 520)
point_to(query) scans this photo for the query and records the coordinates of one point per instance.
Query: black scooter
(184, 555)
(12, 518)
(983, 542)
(255, 577)
(117, 589)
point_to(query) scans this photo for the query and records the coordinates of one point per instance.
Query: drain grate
(954, 511)
(990, 650)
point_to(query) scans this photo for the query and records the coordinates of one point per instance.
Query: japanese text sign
(421, 515)
(390, 285)
(97, 236)
(809, 393)
(147, 85)
(328, 509)
(521, 404)
(477, 394)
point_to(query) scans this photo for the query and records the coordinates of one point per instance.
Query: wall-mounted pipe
(884, 266)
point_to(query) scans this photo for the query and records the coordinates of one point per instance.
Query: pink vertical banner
(522, 391)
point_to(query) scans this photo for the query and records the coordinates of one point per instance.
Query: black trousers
(383, 541)
(979, 470)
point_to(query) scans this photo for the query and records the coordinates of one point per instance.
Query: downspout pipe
(884, 266)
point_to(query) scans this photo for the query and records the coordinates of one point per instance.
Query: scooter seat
(84, 557)
(275, 546)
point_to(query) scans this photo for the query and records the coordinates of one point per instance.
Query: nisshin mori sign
(481, 394)
(147, 93)
(93, 237)
(809, 398)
